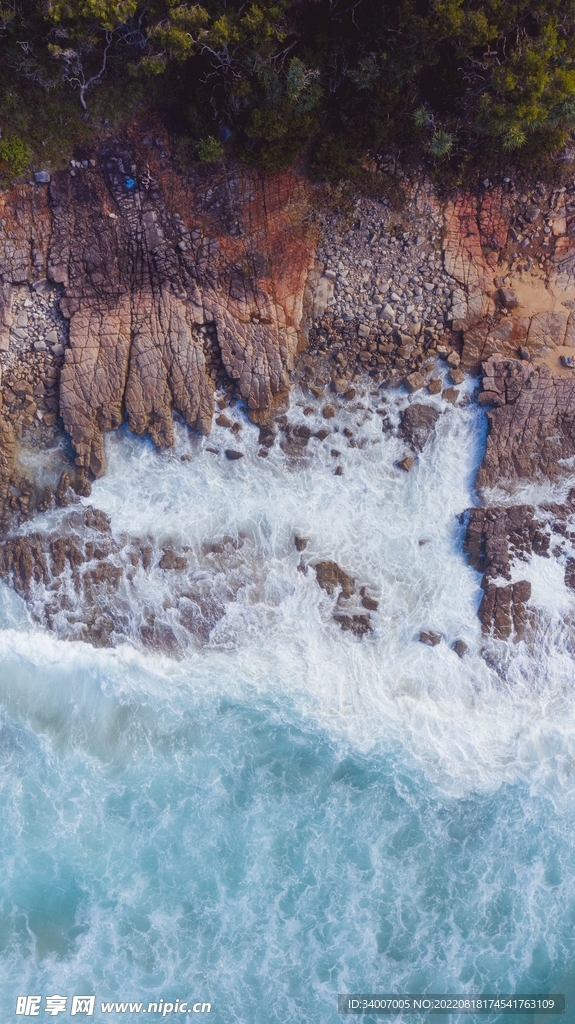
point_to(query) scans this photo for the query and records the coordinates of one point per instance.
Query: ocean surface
(284, 811)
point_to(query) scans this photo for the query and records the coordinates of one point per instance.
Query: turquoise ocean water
(285, 812)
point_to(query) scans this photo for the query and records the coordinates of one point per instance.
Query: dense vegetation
(463, 83)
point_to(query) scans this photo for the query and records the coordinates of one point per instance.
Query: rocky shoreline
(131, 293)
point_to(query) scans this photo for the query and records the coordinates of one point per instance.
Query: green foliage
(179, 34)
(460, 83)
(14, 156)
(209, 150)
(514, 138)
(441, 144)
(421, 118)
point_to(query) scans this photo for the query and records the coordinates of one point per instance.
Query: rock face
(531, 422)
(7, 446)
(85, 583)
(468, 224)
(503, 612)
(166, 290)
(495, 538)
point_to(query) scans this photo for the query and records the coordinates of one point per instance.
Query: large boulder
(417, 424)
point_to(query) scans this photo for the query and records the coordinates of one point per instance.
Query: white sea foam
(469, 725)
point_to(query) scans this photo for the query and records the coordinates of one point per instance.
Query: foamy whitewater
(287, 811)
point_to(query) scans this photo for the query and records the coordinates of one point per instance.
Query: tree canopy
(457, 80)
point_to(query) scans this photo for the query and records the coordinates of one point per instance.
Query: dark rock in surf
(330, 575)
(359, 625)
(430, 638)
(417, 424)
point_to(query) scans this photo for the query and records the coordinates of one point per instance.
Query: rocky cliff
(164, 289)
(130, 292)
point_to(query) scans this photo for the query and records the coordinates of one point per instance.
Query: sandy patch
(552, 358)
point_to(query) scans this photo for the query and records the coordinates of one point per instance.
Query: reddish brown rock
(330, 576)
(496, 536)
(359, 625)
(471, 227)
(450, 395)
(23, 562)
(503, 611)
(170, 560)
(481, 342)
(166, 289)
(533, 431)
(415, 381)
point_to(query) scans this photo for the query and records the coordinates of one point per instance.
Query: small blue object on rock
(568, 361)
(42, 177)
(130, 183)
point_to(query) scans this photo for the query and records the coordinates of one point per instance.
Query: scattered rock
(359, 625)
(370, 603)
(450, 395)
(170, 560)
(233, 455)
(414, 381)
(301, 543)
(330, 576)
(430, 638)
(508, 298)
(460, 648)
(266, 436)
(328, 412)
(531, 214)
(407, 463)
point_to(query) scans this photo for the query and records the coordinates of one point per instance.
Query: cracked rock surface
(531, 422)
(162, 295)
